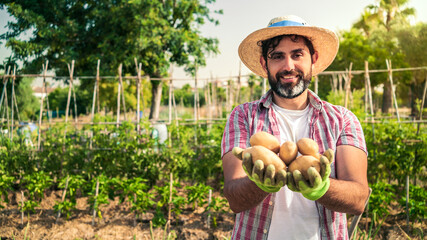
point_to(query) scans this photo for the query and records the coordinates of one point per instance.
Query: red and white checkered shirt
(330, 126)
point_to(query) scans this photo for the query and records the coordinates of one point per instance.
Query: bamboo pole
(5, 78)
(422, 105)
(97, 84)
(46, 93)
(196, 96)
(75, 105)
(123, 94)
(94, 202)
(348, 86)
(70, 85)
(64, 193)
(11, 103)
(92, 112)
(118, 96)
(239, 78)
(138, 95)
(170, 101)
(95, 92)
(390, 77)
(44, 66)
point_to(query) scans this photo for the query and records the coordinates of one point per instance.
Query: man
(289, 53)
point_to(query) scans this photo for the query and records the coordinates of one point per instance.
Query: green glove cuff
(265, 188)
(314, 194)
(269, 189)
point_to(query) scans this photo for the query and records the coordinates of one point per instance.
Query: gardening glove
(265, 177)
(318, 183)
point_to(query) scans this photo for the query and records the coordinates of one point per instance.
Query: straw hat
(324, 41)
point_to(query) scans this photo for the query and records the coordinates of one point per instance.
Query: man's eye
(276, 56)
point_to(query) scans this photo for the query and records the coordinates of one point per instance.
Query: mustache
(287, 73)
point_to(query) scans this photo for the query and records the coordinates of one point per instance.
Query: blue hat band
(286, 23)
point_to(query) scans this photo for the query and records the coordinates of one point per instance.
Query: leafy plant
(35, 184)
(75, 182)
(197, 194)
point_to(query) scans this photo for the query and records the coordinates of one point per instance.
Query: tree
(413, 41)
(156, 32)
(385, 16)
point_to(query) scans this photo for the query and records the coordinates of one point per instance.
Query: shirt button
(265, 231)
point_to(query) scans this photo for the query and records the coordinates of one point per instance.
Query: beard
(289, 90)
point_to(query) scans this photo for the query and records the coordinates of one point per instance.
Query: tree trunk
(387, 98)
(156, 97)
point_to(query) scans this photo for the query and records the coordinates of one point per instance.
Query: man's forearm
(345, 196)
(243, 194)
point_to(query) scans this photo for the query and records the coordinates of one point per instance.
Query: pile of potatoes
(266, 147)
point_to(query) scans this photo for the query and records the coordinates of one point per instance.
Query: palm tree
(385, 15)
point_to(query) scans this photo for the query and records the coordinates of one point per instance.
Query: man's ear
(263, 63)
(314, 57)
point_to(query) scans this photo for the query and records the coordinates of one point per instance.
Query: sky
(242, 17)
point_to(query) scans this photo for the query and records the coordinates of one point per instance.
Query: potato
(288, 152)
(265, 139)
(307, 146)
(266, 156)
(302, 164)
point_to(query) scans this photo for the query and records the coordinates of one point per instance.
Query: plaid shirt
(330, 126)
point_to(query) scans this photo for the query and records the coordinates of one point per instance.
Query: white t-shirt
(294, 216)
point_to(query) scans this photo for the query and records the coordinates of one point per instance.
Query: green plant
(197, 194)
(96, 200)
(138, 195)
(35, 184)
(416, 203)
(381, 197)
(216, 207)
(75, 182)
(5, 185)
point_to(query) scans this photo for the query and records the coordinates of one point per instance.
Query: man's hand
(265, 177)
(318, 184)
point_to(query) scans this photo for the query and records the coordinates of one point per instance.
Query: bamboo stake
(239, 77)
(170, 101)
(196, 100)
(75, 104)
(170, 202)
(22, 210)
(123, 93)
(138, 96)
(97, 84)
(95, 92)
(11, 103)
(422, 106)
(64, 193)
(118, 96)
(44, 66)
(6, 104)
(348, 86)
(94, 203)
(390, 77)
(208, 221)
(46, 93)
(92, 112)
(70, 85)
(196, 97)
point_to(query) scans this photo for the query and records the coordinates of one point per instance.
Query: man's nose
(288, 64)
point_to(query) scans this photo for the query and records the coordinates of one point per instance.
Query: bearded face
(289, 89)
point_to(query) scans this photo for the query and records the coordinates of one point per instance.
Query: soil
(118, 222)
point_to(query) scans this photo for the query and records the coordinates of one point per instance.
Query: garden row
(102, 162)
